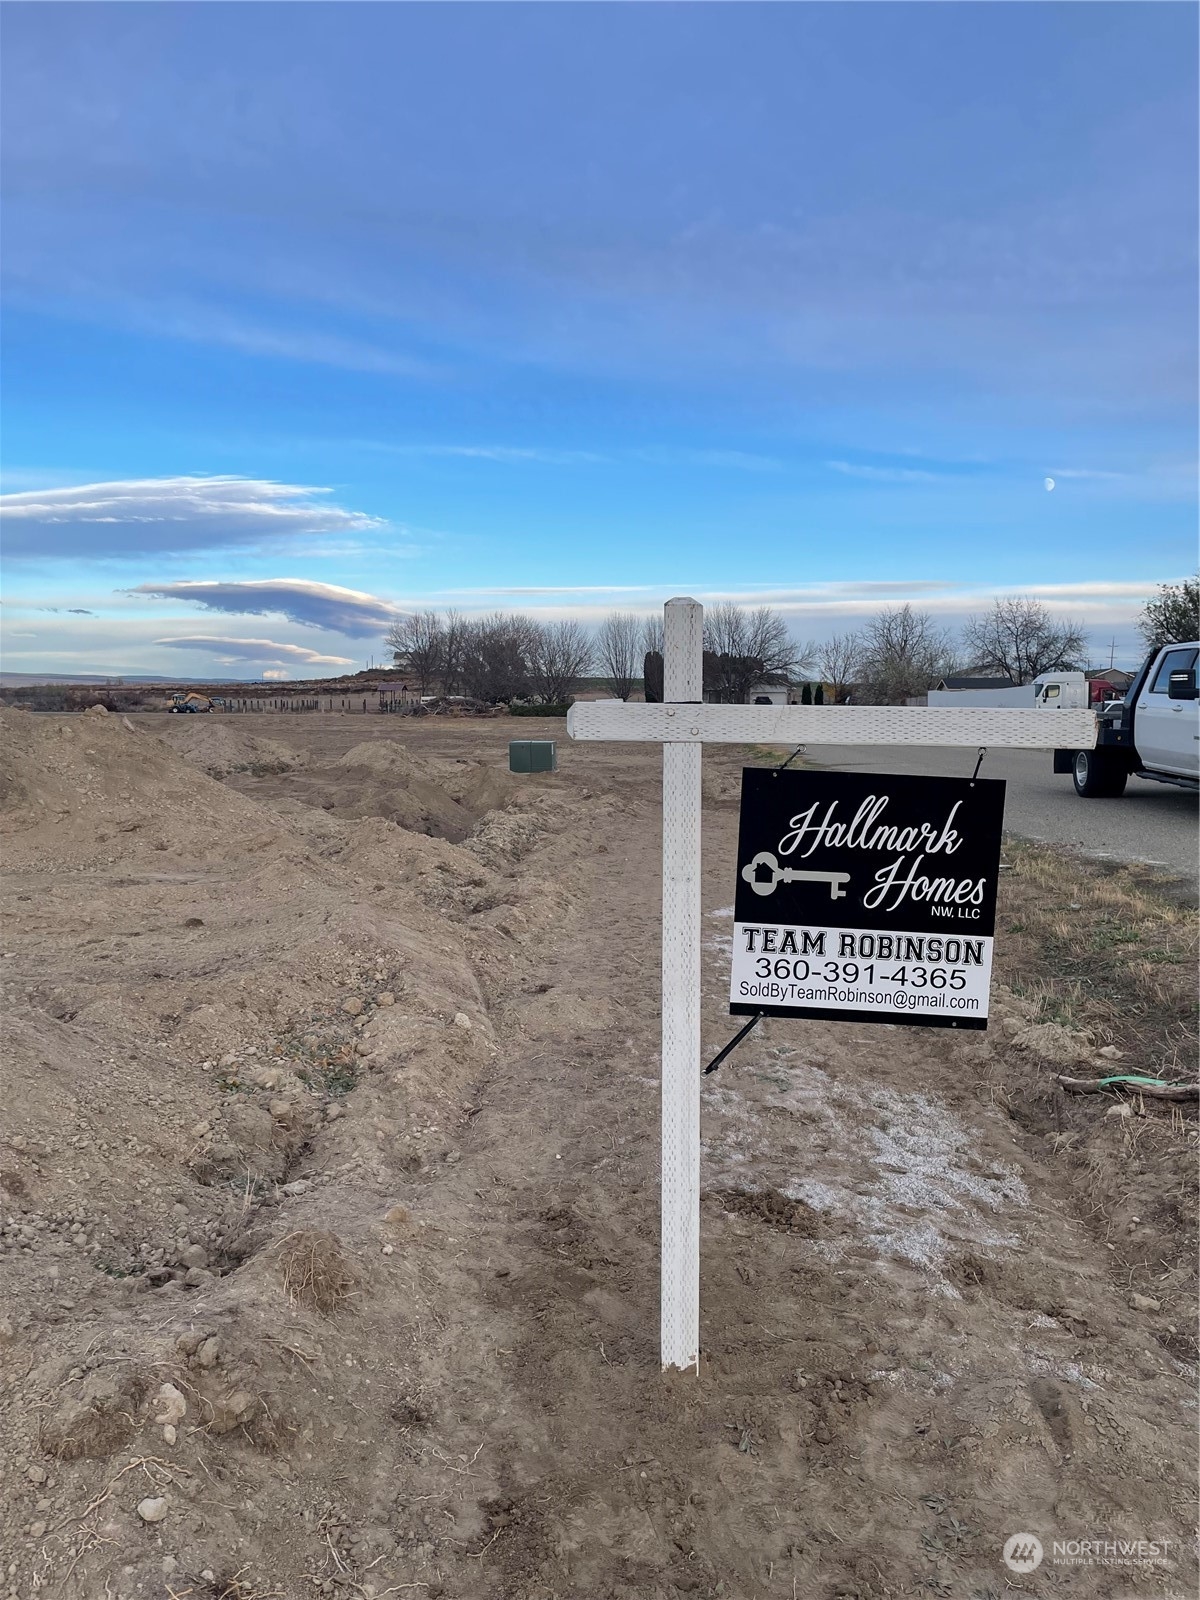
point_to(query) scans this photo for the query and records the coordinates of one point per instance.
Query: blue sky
(573, 307)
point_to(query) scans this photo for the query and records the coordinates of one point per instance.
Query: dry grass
(1104, 948)
(1107, 950)
(316, 1270)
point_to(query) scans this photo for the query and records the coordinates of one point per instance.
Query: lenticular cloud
(160, 516)
(316, 605)
(230, 650)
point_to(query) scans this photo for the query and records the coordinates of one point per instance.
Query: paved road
(1153, 823)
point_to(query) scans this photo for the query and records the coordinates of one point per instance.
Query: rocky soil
(328, 1213)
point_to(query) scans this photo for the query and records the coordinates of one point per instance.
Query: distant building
(1107, 683)
(1116, 677)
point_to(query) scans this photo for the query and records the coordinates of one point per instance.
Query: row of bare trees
(744, 648)
(902, 652)
(502, 656)
(512, 656)
(896, 656)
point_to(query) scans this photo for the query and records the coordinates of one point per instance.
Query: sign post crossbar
(682, 724)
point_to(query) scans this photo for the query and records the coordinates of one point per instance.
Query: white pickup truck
(1153, 733)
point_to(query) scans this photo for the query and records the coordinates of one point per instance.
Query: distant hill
(265, 688)
(13, 680)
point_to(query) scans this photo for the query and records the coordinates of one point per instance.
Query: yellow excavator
(189, 700)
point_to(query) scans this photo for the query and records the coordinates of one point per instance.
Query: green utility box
(532, 755)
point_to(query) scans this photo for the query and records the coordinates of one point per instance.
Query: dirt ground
(329, 1187)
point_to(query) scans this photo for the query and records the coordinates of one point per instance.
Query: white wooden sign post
(682, 724)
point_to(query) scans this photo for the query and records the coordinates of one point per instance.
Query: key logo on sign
(765, 862)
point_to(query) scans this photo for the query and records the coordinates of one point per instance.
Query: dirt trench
(427, 1358)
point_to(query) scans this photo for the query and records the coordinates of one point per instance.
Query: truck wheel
(1097, 776)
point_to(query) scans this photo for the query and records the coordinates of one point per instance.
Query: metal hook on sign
(798, 751)
(733, 1043)
(979, 761)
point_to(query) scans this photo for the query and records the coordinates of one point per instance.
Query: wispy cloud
(159, 516)
(210, 325)
(867, 590)
(1058, 473)
(164, 316)
(535, 589)
(555, 456)
(721, 460)
(854, 469)
(318, 605)
(1096, 589)
(230, 650)
(512, 454)
(821, 606)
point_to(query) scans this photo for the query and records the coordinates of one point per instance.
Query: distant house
(973, 681)
(1109, 683)
(1115, 677)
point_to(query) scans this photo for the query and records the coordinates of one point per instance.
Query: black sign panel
(866, 897)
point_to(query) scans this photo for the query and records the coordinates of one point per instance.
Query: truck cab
(1168, 735)
(1153, 733)
(1058, 690)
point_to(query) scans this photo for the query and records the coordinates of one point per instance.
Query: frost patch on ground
(722, 943)
(894, 1169)
(1068, 1371)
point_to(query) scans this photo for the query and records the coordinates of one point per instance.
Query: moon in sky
(1049, 484)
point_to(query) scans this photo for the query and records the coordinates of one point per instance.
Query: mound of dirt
(227, 1080)
(385, 756)
(384, 778)
(219, 747)
(77, 790)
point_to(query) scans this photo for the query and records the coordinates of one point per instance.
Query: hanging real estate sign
(865, 897)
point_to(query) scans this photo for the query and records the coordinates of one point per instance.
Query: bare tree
(496, 656)
(743, 647)
(1019, 638)
(619, 651)
(1173, 616)
(805, 657)
(903, 653)
(417, 644)
(838, 663)
(453, 634)
(562, 653)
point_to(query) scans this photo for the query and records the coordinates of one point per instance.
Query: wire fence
(364, 705)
